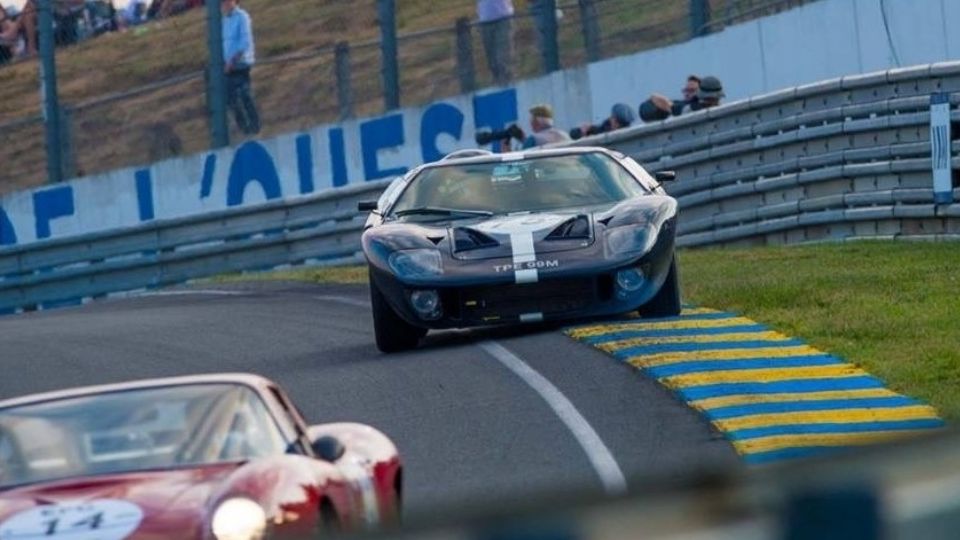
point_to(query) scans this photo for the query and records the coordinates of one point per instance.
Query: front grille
(550, 297)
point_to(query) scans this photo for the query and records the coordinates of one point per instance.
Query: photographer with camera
(541, 124)
(621, 116)
(698, 94)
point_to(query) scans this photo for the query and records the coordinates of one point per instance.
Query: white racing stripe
(520, 229)
(599, 455)
(521, 244)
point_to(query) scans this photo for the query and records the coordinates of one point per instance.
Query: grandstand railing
(841, 159)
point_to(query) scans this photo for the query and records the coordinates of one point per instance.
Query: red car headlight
(239, 519)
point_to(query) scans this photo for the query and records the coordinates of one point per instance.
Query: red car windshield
(533, 184)
(135, 430)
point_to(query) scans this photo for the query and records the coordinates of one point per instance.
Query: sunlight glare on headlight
(239, 519)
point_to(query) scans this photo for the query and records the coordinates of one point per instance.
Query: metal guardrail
(839, 159)
(324, 226)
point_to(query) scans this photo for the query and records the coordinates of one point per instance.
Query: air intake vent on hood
(465, 239)
(574, 228)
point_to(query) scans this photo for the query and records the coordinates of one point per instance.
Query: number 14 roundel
(100, 519)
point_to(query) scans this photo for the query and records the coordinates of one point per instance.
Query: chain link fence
(727, 12)
(133, 90)
(22, 154)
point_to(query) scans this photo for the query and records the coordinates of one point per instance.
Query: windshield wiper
(437, 211)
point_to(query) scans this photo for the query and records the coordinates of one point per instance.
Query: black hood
(499, 236)
(513, 235)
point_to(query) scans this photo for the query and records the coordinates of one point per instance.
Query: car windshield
(535, 184)
(135, 430)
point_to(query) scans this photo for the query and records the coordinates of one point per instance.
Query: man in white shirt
(238, 58)
(496, 30)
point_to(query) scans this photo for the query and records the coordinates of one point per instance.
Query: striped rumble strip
(773, 396)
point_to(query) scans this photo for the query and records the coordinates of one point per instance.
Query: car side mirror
(366, 206)
(665, 176)
(328, 448)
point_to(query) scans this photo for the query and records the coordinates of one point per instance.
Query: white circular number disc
(100, 519)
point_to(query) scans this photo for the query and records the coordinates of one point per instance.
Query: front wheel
(666, 303)
(392, 333)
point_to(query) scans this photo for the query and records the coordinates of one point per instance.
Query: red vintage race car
(218, 457)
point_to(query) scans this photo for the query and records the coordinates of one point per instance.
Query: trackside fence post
(545, 12)
(48, 91)
(344, 96)
(466, 71)
(699, 18)
(216, 79)
(68, 160)
(386, 9)
(591, 29)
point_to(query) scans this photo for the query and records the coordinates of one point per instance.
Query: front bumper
(557, 295)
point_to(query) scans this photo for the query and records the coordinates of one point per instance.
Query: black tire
(328, 522)
(393, 334)
(666, 303)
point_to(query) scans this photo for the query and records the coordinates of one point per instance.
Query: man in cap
(543, 132)
(621, 116)
(541, 123)
(710, 93)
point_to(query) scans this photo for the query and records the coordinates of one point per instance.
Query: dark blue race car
(482, 239)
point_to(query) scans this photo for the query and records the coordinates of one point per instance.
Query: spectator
(66, 16)
(541, 124)
(161, 9)
(102, 17)
(9, 36)
(660, 107)
(28, 26)
(621, 116)
(238, 56)
(135, 13)
(709, 92)
(496, 30)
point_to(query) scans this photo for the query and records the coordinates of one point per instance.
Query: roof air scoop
(466, 239)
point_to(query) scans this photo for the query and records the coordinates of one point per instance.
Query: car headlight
(415, 262)
(239, 519)
(630, 239)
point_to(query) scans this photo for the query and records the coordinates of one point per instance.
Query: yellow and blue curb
(773, 396)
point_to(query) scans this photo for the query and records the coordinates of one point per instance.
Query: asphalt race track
(480, 417)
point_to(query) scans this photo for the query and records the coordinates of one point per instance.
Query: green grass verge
(320, 274)
(891, 307)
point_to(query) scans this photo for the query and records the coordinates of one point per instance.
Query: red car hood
(141, 506)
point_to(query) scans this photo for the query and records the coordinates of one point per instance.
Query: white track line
(344, 300)
(198, 292)
(599, 455)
